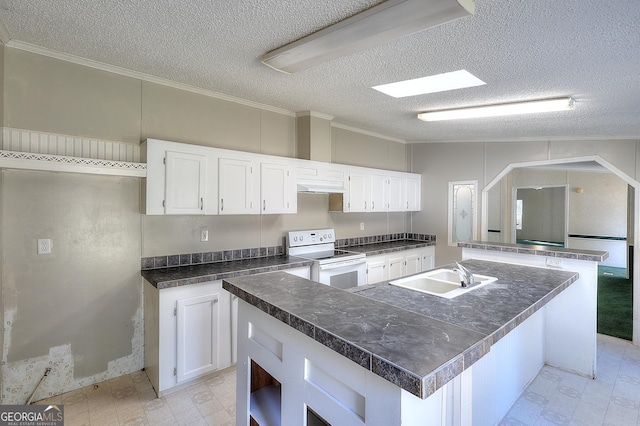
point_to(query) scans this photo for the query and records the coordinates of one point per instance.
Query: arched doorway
(633, 211)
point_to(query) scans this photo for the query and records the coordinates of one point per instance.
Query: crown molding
(314, 114)
(368, 133)
(28, 47)
(532, 139)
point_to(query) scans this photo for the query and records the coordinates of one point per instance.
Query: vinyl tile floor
(130, 400)
(554, 397)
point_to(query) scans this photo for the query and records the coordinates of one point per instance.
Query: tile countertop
(538, 250)
(373, 249)
(193, 274)
(417, 341)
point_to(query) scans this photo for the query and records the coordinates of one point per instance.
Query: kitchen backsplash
(186, 259)
(372, 239)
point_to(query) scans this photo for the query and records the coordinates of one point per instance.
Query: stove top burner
(330, 254)
(318, 245)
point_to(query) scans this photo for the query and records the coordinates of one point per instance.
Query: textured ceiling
(587, 49)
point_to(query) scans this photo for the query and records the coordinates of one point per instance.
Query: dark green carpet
(615, 303)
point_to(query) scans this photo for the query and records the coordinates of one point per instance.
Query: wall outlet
(554, 262)
(204, 235)
(362, 226)
(44, 246)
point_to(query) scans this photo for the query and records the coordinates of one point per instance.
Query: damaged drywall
(77, 310)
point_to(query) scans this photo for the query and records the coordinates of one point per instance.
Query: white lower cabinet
(198, 336)
(377, 269)
(390, 266)
(187, 333)
(396, 266)
(413, 263)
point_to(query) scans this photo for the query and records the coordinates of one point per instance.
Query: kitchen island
(386, 355)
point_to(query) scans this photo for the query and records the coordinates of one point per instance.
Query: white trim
(22, 140)
(139, 75)
(366, 132)
(532, 139)
(636, 220)
(60, 163)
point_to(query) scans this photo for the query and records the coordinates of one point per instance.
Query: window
(462, 211)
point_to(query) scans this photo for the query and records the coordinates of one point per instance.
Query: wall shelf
(61, 163)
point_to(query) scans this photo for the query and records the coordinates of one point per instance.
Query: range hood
(321, 187)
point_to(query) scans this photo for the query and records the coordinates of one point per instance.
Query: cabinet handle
(373, 205)
(365, 205)
(221, 204)
(214, 301)
(264, 205)
(201, 203)
(407, 205)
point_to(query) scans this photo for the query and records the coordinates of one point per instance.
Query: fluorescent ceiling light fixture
(431, 84)
(528, 107)
(385, 22)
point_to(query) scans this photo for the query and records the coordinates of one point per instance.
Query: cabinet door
(378, 193)
(396, 267)
(197, 336)
(412, 194)
(277, 189)
(236, 186)
(376, 271)
(395, 195)
(428, 261)
(412, 263)
(184, 183)
(359, 192)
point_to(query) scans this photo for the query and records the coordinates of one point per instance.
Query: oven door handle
(342, 264)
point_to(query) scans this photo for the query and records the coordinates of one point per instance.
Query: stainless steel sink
(441, 282)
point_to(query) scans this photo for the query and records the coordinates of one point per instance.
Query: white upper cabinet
(358, 190)
(192, 179)
(373, 190)
(179, 179)
(278, 188)
(378, 193)
(238, 186)
(396, 194)
(412, 193)
(185, 183)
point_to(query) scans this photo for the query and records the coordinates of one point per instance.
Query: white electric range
(331, 266)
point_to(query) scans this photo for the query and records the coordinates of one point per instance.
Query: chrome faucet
(466, 277)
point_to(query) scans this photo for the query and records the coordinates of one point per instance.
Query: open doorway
(540, 216)
(496, 223)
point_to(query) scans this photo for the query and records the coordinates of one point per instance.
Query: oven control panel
(311, 237)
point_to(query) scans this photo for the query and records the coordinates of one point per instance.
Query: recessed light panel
(431, 84)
